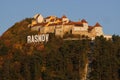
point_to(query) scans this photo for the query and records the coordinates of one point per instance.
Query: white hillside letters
(37, 38)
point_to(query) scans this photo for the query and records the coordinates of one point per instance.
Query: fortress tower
(98, 29)
(39, 18)
(85, 24)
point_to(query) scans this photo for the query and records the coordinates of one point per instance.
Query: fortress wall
(36, 28)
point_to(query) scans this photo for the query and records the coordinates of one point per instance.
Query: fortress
(62, 26)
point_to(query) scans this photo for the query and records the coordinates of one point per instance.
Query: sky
(106, 12)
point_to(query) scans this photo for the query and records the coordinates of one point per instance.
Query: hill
(57, 59)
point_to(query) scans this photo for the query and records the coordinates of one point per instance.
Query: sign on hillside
(37, 38)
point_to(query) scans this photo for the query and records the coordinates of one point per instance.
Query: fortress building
(61, 26)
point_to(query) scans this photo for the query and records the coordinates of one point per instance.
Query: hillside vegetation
(57, 59)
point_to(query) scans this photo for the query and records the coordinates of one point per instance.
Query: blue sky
(106, 12)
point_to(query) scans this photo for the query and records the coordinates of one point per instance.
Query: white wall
(40, 19)
(99, 31)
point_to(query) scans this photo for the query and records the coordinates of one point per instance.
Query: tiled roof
(77, 23)
(48, 17)
(53, 24)
(64, 16)
(52, 20)
(69, 23)
(97, 25)
(39, 24)
(36, 16)
(90, 28)
(59, 19)
(84, 21)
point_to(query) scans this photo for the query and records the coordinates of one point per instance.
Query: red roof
(69, 23)
(64, 16)
(48, 17)
(90, 28)
(97, 25)
(59, 19)
(77, 23)
(53, 24)
(39, 24)
(84, 21)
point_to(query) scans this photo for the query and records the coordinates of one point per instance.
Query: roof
(90, 28)
(36, 16)
(59, 19)
(64, 16)
(77, 23)
(50, 17)
(53, 24)
(69, 23)
(84, 21)
(97, 25)
(39, 24)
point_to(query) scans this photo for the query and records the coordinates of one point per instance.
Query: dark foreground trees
(105, 63)
(62, 60)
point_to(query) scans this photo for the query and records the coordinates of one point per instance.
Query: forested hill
(57, 59)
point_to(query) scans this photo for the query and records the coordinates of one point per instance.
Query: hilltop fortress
(62, 26)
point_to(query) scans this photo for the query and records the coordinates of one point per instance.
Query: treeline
(55, 60)
(64, 60)
(105, 55)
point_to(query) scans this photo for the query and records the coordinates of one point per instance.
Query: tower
(39, 18)
(65, 19)
(85, 24)
(98, 29)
